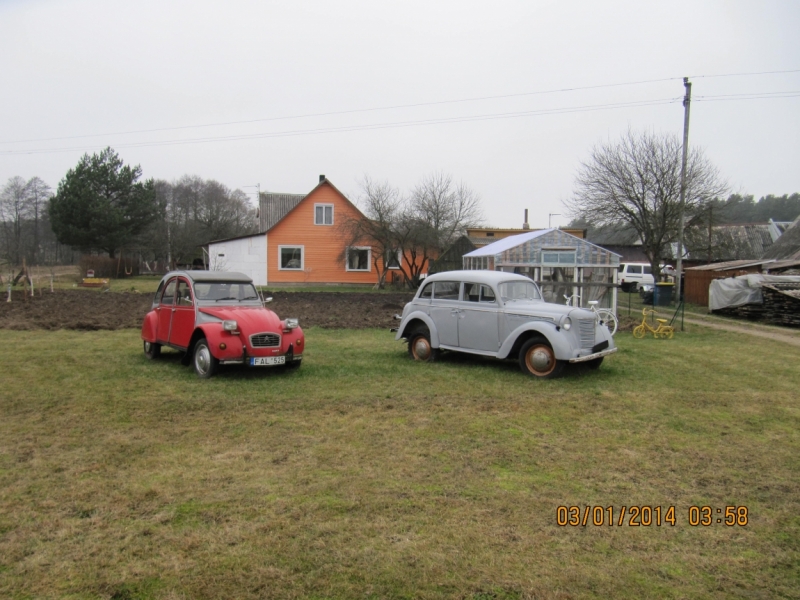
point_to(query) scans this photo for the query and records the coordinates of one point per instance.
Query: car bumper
(593, 356)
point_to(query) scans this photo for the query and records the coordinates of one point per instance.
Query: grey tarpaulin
(745, 289)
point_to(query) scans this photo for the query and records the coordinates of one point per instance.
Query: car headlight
(230, 326)
(566, 323)
(292, 324)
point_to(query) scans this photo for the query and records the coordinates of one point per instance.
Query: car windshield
(225, 291)
(519, 290)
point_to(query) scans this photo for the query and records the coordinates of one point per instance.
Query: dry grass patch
(364, 474)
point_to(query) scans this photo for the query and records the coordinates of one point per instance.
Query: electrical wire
(365, 127)
(351, 111)
(761, 95)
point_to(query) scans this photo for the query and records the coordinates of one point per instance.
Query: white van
(632, 275)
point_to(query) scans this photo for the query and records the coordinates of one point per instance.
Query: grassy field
(364, 474)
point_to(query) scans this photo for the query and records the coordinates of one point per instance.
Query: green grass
(364, 474)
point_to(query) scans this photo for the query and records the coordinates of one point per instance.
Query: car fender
(418, 315)
(215, 335)
(150, 326)
(296, 339)
(561, 346)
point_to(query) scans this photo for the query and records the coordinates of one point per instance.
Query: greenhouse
(560, 263)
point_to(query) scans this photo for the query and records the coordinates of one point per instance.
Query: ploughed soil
(93, 309)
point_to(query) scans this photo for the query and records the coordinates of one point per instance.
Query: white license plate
(266, 361)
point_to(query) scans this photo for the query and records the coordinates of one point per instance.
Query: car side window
(472, 292)
(157, 297)
(184, 293)
(427, 291)
(487, 294)
(168, 297)
(445, 290)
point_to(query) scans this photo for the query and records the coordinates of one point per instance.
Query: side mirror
(268, 299)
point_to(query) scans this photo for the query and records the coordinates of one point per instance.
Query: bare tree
(38, 193)
(14, 210)
(444, 208)
(192, 212)
(405, 233)
(636, 182)
(382, 205)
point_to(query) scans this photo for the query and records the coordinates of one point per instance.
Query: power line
(763, 95)
(372, 126)
(751, 96)
(396, 107)
(745, 74)
(350, 111)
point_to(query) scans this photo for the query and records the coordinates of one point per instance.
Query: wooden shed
(697, 279)
(562, 265)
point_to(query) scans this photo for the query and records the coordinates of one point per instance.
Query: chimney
(321, 178)
(525, 224)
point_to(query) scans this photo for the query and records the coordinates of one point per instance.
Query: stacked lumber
(781, 304)
(752, 312)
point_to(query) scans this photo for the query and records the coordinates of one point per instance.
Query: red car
(218, 318)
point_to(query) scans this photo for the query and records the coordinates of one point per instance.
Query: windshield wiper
(228, 298)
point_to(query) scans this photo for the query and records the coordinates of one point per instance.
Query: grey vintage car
(502, 315)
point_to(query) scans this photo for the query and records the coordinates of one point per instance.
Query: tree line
(103, 207)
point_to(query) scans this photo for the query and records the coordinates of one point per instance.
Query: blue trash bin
(663, 294)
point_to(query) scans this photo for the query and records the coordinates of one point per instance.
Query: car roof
(477, 276)
(211, 276)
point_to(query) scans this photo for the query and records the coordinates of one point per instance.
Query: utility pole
(550, 219)
(687, 99)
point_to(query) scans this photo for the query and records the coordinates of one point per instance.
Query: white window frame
(399, 253)
(369, 259)
(302, 257)
(323, 206)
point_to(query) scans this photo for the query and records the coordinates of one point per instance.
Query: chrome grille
(586, 332)
(265, 340)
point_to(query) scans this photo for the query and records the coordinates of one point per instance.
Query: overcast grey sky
(275, 93)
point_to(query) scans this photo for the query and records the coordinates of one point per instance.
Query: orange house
(301, 241)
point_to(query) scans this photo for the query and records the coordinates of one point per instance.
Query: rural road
(778, 334)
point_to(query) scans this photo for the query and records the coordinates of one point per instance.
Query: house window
(394, 258)
(358, 259)
(323, 214)
(291, 258)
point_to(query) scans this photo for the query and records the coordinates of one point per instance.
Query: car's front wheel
(152, 350)
(419, 345)
(537, 358)
(205, 365)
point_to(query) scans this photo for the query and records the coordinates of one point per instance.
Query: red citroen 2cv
(218, 318)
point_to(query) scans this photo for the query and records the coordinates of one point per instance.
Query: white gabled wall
(245, 255)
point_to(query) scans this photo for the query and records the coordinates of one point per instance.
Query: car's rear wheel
(537, 358)
(419, 345)
(205, 365)
(152, 350)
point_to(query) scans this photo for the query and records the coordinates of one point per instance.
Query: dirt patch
(92, 310)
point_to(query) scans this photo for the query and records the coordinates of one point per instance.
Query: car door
(444, 311)
(183, 315)
(164, 310)
(478, 319)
